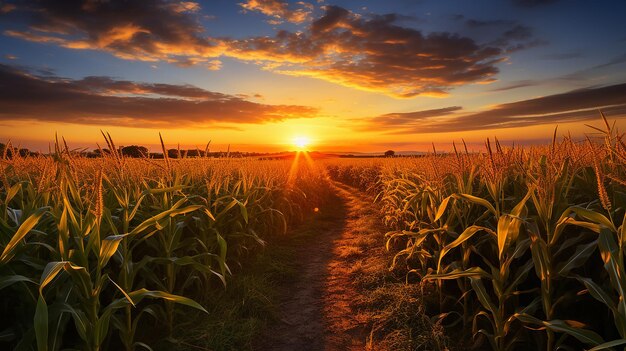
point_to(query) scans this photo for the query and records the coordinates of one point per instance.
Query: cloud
(6, 8)
(532, 3)
(517, 38)
(472, 23)
(368, 52)
(563, 56)
(374, 53)
(573, 106)
(408, 118)
(106, 101)
(614, 61)
(150, 30)
(518, 84)
(279, 10)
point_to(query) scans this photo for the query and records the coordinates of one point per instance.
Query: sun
(301, 142)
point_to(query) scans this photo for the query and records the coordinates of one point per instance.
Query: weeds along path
(319, 311)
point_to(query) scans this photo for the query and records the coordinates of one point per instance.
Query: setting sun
(301, 142)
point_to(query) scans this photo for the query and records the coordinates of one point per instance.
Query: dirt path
(319, 311)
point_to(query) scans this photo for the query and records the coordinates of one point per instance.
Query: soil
(320, 310)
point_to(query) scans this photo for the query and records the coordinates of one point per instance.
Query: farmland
(521, 248)
(92, 250)
(505, 249)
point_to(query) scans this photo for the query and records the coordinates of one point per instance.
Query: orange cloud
(280, 10)
(573, 106)
(106, 101)
(151, 30)
(373, 53)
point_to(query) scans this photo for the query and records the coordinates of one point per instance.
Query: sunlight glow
(301, 142)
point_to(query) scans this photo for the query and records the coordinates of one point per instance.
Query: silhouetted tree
(195, 153)
(10, 151)
(173, 153)
(135, 151)
(389, 153)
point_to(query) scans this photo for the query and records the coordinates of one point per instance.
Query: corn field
(522, 247)
(108, 253)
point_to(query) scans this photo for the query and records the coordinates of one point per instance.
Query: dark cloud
(518, 84)
(147, 30)
(509, 35)
(106, 101)
(583, 76)
(407, 118)
(472, 23)
(6, 8)
(574, 106)
(518, 37)
(532, 3)
(280, 10)
(368, 52)
(375, 53)
(614, 61)
(563, 56)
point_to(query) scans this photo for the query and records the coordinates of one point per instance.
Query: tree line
(132, 151)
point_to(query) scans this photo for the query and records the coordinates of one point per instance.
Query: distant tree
(99, 152)
(9, 151)
(389, 153)
(135, 151)
(24, 152)
(195, 153)
(173, 153)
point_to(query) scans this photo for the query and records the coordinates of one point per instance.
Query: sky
(259, 75)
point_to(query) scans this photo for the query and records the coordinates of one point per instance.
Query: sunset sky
(348, 75)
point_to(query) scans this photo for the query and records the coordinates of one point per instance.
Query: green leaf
(442, 207)
(165, 190)
(13, 190)
(594, 217)
(80, 319)
(122, 291)
(597, 292)
(473, 272)
(609, 252)
(50, 271)
(479, 201)
(12, 279)
(582, 254)
(466, 235)
(243, 210)
(539, 251)
(140, 294)
(184, 210)
(108, 248)
(557, 325)
(102, 327)
(21, 232)
(508, 231)
(623, 233)
(519, 209)
(41, 324)
(483, 297)
(609, 344)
